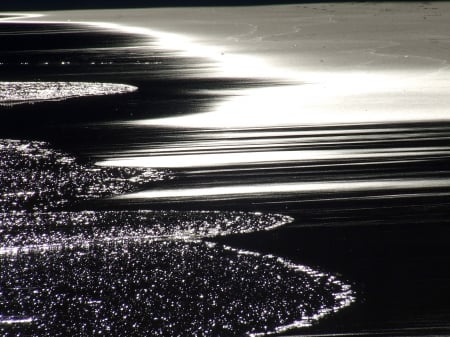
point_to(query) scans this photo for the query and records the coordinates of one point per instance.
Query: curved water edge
(22, 232)
(36, 177)
(13, 93)
(143, 272)
(162, 288)
(379, 89)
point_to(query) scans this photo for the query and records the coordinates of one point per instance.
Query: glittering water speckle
(161, 288)
(12, 93)
(136, 272)
(22, 232)
(33, 176)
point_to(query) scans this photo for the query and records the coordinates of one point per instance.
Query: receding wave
(22, 232)
(33, 176)
(161, 288)
(12, 93)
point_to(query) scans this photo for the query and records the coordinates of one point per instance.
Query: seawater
(320, 229)
(67, 265)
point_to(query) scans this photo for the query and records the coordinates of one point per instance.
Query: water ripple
(161, 288)
(12, 93)
(23, 232)
(35, 177)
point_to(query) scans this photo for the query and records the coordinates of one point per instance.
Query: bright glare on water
(12, 93)
(35, 177)
(119, 272)
(161, 288)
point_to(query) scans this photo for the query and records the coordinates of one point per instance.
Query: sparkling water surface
(160, 288)
(156, 269)
(29, 92)
(137, 272)
(34, 176)
(23, 232)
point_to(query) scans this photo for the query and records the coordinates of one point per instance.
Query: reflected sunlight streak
(246, 158)
(327, 99)
(8, 320)
(279, 188)
(313, 96)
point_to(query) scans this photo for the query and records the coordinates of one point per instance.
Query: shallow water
(30, 92)
(142, 272)
(160, 288)
(37, 245)
(124, 271)
(24, 232)
(36, 177)
(358, 239)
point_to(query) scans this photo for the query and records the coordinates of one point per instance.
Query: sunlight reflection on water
(320, 99)
(282, 188)
(23, 232)
(12, 93)
(34, 176)
(162, 288)
(246, 158)
(327, 99)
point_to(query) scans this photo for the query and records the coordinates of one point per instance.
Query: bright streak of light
(245, 158)
(313, 98)
(9, 320)
(327, 98)
(20, 16)
(281, 188)
(225, 64)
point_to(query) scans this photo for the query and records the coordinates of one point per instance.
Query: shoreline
(336, 62)
(392, 245)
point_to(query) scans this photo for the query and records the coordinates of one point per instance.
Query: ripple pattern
(22, 232)
(137, 272)
(12, 93)
(160, 288)
(128, 273)
(33, 176)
